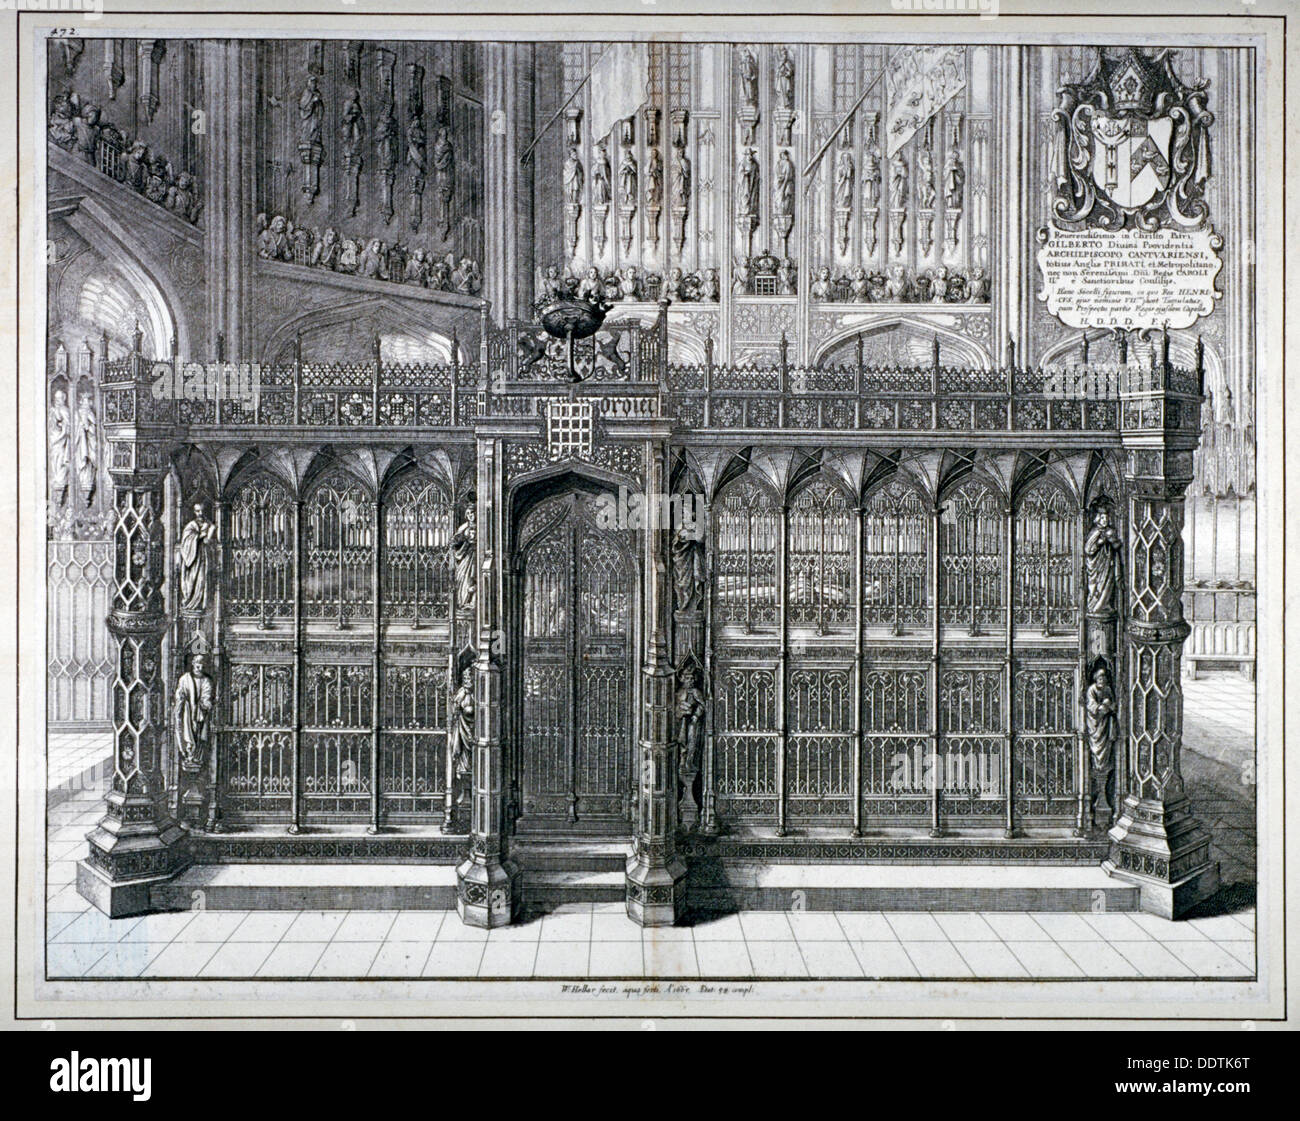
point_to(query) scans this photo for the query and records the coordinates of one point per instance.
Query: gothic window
(1046, 559)
(820, 570)
(895, 559)
(337, 546)
(417, 531)
(260, 553)
(747, 536)
(971, 543)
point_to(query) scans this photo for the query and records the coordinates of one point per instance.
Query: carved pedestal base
(487, 893)
(1161, 849)
(656, 891)
(130, 851)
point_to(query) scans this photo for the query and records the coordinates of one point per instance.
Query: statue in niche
(311, 114)
(925, 180)
(86, 446)
(898, 183)
(59, 440)
(747, 185)
(600, 191)
(353, 136)
(871, 177)
(691, 709)
(749, 78)
(1100, 711)
(627, 179)
(464, 547)
(462, 733)
(785, 81)
(444, 178)
(192, 561)
(688, 568)
(388, 150)
(844, 173)
(573, 178)
(654, 187)
(783, 196)
(1100, 551)
(954, 180)
(415, 166)
(192, 712)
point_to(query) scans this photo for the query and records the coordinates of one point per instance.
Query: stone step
(571, 856)
(314, 887)
(542, 889)
(906, 887)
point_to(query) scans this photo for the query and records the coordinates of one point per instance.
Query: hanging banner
(919, 81)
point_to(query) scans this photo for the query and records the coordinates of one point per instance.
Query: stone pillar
(508, 185)
(136, 844)
(655, 874)
(1011, 252)
(230, 82)
(1155, 842)
(487, 882)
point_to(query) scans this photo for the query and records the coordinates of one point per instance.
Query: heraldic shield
(1132, 145)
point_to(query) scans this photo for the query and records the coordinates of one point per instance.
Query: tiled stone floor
(598, 940)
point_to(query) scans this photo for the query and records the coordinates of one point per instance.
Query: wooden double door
(576, 612)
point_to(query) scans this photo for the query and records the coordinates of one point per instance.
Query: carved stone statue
(573, 179)
(311, 114)
(785, 81)
(59, 439)
(192, 711)
(871, 178)
(627, 177)
(691, 708)
(1101, 723)
(898, 183)
(192, 557)
(747, 185)
(600, 190)
(1100, 550)
(783, 195)
(353, 135)
(462, 733)
(749, 78)
(688, 570)
(387, 151)
(86, 446)
(464, 546)
(444, 178)
(654, 185)
(924, 180)
(954, 180)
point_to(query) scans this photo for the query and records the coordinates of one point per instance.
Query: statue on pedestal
(192, 559)
(1101, 720)
(192, 711)
(462, 733)
(464, 546)
(1100, 556)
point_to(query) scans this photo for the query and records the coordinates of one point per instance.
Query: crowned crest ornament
(1132, 146)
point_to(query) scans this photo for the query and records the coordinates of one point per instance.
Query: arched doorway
(576, 726)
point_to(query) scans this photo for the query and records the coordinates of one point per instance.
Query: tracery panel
(260, 550)
(896, 761)
(1045, 572)
(746, 743)
(338, 539)
(971, 557)
(820, 747)
(896, 559)
(413, 740)
(970, 742)
(1045, 740)
(417, 562)
(336, 741)
(820, 566)
(747, 536)
(256, 743)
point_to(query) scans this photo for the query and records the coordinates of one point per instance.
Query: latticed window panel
(820, 566)
(417, 559)
(260, 552)
(821, 745)
(1044, 708)
(972, 554)
(896, 559)
(338, 544)
(1045, 573)
(256, 743)
(413, 740)
(746, 742)
(747, 537)
(971, 733)
(79, 582)
(896, 723)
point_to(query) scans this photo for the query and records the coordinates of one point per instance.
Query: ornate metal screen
(260, 552)
(338, 537)
(821, 745)
(578, 612)
(1045, 579)
(819, 573)
(417, 563)
(746, 742)
(896, 559)
(972, 549)
(1045, 739)
(971, 737)
(747, 529)
(257, 743)
(79, 582)
(896, 742)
